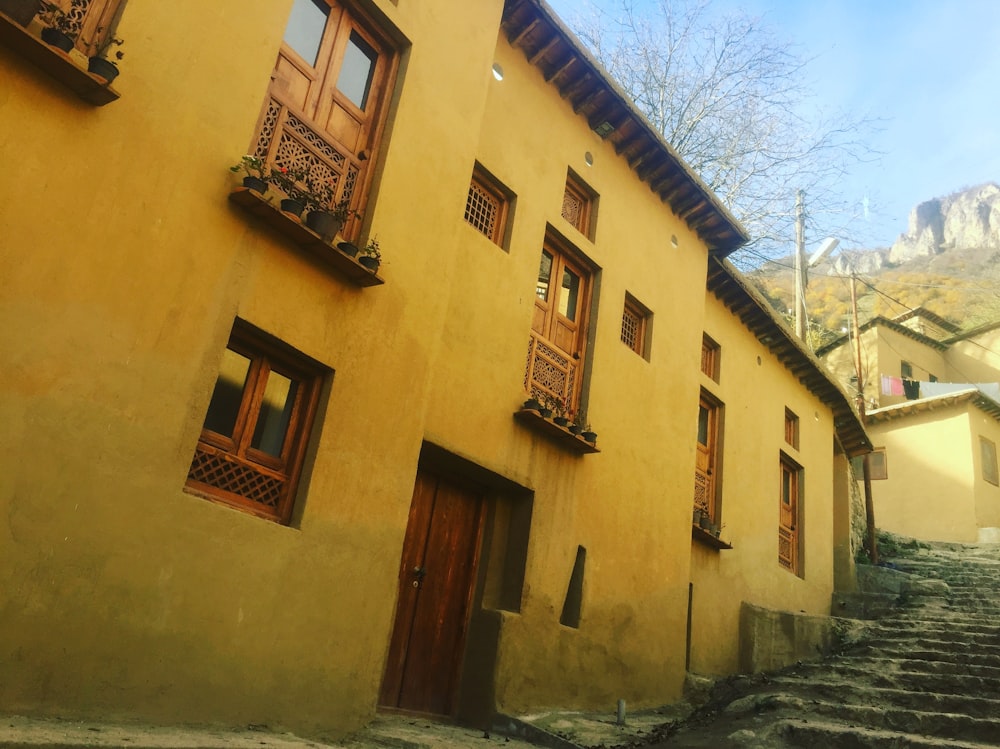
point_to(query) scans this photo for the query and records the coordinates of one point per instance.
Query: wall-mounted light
(497, 71)
(604, 129)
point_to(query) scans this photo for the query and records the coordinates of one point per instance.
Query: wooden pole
(871, 541)
(800, 266)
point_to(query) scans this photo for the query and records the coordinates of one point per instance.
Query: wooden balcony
(308, 241)
(562, 436)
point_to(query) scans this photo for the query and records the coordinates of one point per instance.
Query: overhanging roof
(892, 325)
(534, 28)
(753, 310)
(924, 405)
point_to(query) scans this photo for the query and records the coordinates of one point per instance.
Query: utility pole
(871, 542)
(800, 266)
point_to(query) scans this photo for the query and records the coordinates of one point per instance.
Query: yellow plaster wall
(755, 389)
(931, 467)
(126, 265)
(895, 348)
(123, 596)
(974, 359)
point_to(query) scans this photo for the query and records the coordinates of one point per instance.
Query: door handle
(419, 573)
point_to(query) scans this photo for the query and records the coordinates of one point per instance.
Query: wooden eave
(892, 325)
(926, 314)
(924, 405)
(742, 300)
(533, 27)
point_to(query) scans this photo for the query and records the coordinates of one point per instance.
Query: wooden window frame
(485, 182)
(791, 428)
(988, 456)
(234, 454)
(713, 451)
(711, 356)
(639, 332)
(292, 133)
(578, 190)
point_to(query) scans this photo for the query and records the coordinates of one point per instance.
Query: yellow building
(933, 412)
(249, 480)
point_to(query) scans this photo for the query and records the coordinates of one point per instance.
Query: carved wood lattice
(550, 373)
(287, 140)
(786, 548)
(222, 471)
(701, 498)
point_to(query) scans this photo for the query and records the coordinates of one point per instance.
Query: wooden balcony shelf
(54, 62)
(560, 435)
(700, 535)
(305, 238)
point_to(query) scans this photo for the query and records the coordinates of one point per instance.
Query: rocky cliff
(966, 219)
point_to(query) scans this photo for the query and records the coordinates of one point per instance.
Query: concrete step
(868, 674)
(954, 726)
(929, 663)
(833, 689)
(815, 734)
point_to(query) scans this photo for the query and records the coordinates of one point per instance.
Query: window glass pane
(275, 413)
(357, 70)
(570, 293)
(544, 273)
(702, 425)
(228, 393)
(305, 28)
(786, 485)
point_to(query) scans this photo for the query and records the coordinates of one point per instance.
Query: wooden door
(788, 520)
(437, 574)
(706, 457)
(558, 341)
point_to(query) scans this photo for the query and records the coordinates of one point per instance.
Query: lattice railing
(701, 493)
(786, 547)
(550, 373)
(228, 473)
(288, 140)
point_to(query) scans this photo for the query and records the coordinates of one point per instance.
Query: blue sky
(929, 70)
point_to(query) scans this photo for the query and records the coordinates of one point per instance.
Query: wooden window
(906, 370)
(92, 23)
(557, 345)
(878, 469)
(707, 458)
(789, 539)
(791, 429)
(635, 326)
(486, 206)
(253, 441)
(325, 109)
(988, 454)
(577, 205)
(710, 356)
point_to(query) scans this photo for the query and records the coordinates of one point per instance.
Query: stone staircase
(925, 675)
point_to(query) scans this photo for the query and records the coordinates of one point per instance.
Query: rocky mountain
(970, 218)
(947, 261)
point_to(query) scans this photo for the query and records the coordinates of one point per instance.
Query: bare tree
(733, 101)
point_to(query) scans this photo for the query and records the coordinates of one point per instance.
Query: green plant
(318, 195)
(100, 47)
(55, 17)
(253, 166)
(289, 181)
(372, 249)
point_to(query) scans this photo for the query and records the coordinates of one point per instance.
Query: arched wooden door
(437, 574)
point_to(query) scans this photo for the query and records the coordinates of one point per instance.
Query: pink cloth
(892, 385)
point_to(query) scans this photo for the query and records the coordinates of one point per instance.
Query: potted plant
(20, 11)
(588, 434)
(256, 173)
(98, 63)
(289, 182)
(696, 516)
(532, 404)
(59, 30)
(559, 412)
(371, 256)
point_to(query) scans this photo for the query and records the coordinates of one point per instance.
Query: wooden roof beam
(544, 49)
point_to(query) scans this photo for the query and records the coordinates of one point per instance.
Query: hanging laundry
(892, 385)
(911, 388)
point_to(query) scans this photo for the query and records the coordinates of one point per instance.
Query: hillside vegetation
(929, 266)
